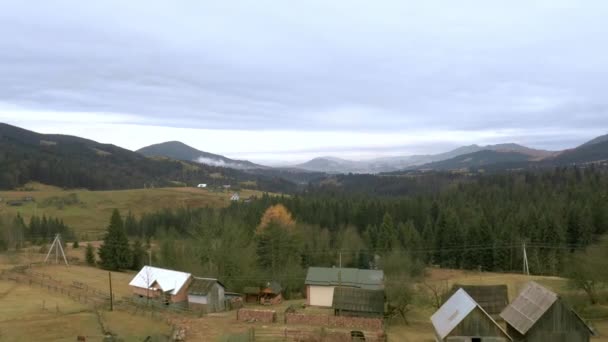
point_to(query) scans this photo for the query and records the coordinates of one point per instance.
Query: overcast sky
(290, 80)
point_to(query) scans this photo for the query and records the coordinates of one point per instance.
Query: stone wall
(370, 324)
(250, 315)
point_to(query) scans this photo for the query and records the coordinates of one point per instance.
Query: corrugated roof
(351, 277)
(492, 298)
(202, 286)
(453, 311)
(528, 307)
(168, 280)
(358, 300)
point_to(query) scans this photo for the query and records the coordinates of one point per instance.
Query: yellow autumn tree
(276, 214)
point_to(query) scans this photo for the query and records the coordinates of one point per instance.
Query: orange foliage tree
(278, 215)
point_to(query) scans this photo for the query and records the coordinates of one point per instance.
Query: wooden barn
(461, 319)
(207, 295)
(168, 286)
(351, 301)
(538, 314)
(271, 294)
(321, 281)
(252, 294)
(492, 298)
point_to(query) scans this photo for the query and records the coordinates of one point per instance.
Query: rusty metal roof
(528, 307)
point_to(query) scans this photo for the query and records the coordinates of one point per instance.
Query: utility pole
(56, 245)
(150, 256)
(526, 266)
(111, 294)
(340, 277)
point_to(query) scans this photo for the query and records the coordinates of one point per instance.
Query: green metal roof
(350, 277)
(359, 300)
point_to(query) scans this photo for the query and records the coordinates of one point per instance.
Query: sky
(285, 81)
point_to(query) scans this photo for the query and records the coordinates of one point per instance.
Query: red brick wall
(335, 321)
(264, 316)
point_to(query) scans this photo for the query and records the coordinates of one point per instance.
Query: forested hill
(180, 151)
(73, 162)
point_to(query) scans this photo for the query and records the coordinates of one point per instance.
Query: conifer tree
(90, 254)
(114, 253)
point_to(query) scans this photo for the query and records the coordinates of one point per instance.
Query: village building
(252, 294)
(206, 295)
(538, 314)
(321, 282)
(492, 298)
(352, 301)
(461, 319)
(202, 185)
(271, 294)
(167, 286)
(235, 197)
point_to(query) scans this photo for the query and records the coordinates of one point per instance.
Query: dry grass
(91, 215)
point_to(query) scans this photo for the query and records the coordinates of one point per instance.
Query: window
(476, 339)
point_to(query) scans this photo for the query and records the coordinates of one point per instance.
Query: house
(165, 285)
(461, 319)
(492, 298)
(201, 185)
(321, 282)
(207, 295)
(271, 294)
(352, 301)
(538, 314)
(235, 197)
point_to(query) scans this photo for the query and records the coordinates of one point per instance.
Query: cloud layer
(353, 78)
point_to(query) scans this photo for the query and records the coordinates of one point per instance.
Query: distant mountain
(480, 160)
(595, 151)
(180, 151)
(391, 164)
(74, 162)
(597, 140)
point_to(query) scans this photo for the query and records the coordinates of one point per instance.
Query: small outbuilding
(492, 298)
(351, 301)
(271, 294)
(207, 294)
(538, 314)
(202, 185)
(321, 282)
(461, 319)
(168, 286)
(252, 294)
(235, 197)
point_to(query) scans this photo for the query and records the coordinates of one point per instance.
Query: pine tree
(114, 253)
(90, 254)
(138, 255)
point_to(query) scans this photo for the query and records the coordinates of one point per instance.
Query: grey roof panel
(528, 307)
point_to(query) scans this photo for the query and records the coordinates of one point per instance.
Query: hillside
(479, 160)
(180, 151)
(397, 163)
(73, 162)
(88, 212)
(595, 151)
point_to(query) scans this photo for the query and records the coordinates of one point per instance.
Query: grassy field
(22, 310)
(34, 314)
(88, 212)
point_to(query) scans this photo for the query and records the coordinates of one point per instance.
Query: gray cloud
(316, 65)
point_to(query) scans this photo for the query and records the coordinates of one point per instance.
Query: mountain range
(74, 162)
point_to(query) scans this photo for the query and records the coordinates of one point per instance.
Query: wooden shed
(271, 294)
(350, 301)
(538, 314)
(207, 294)
(492, 298)
(461, 319)
(321, 281)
